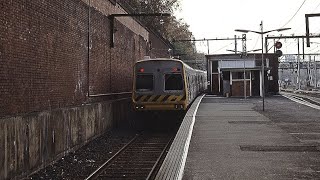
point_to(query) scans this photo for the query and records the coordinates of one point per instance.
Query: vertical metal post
(298, 59)
(309, 71)
(262, 64)
(235, 44)
(266, 44)
(303, 48)
(111, 19)
(89, 44)
(244, 56)
(315, 72)
(208, 47)
(307, 30)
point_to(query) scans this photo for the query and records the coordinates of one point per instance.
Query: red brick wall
(44, 55)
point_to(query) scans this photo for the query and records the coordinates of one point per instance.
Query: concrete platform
(232, 140)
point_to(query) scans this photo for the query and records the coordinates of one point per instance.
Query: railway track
(303, 99)
(139, 159)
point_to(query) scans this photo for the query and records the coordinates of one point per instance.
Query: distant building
(226, 74)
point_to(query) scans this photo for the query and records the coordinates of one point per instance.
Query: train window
(173, 82)
(144, 82)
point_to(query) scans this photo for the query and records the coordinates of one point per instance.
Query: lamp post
(262, 61)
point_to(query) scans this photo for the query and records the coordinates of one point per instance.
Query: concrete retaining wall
(36, 140)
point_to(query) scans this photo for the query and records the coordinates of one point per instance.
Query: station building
(234, 74)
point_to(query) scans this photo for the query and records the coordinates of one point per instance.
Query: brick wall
(44, 53)
(52, 87)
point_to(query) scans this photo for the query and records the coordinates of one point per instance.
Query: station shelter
(236, 75)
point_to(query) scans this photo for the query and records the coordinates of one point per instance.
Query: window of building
(239, 75)
(214, 66)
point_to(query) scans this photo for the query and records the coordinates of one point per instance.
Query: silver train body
(166, 84)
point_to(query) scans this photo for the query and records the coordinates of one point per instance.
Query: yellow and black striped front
(160, 102)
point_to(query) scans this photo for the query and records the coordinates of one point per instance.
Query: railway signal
(278, 46)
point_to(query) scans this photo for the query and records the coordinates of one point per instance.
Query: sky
(219, 18)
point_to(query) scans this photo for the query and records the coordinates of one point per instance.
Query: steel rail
(159, 158)
(98, 171)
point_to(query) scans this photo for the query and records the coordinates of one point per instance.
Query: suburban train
(166, 84)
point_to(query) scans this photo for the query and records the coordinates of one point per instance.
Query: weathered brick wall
(54, 88)
(44, 54)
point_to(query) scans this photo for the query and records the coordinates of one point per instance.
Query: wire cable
(294, 14)
(223, 47)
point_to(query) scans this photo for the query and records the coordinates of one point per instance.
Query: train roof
(168, 59)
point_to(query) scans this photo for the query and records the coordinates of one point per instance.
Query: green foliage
(170, 28)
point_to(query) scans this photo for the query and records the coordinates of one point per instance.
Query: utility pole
(298, 72)
(244, 56)
(235, 44)
(315, 72)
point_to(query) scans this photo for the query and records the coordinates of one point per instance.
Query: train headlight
(178, 106)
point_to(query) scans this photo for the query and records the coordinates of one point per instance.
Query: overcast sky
(219, 19)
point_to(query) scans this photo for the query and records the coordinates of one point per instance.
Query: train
(165, 84)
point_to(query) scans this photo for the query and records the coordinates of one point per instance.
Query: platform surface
(232, 139)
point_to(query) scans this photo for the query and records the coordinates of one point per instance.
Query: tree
(170, 28)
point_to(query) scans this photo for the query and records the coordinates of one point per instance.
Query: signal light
(278, 45)
(141, 70)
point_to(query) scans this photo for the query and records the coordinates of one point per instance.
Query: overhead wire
(294, 14)
(291, 19)
(301, 25)
(223, 47)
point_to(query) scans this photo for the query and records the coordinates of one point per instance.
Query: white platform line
(187, 144)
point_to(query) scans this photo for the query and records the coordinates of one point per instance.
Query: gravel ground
(81, 163)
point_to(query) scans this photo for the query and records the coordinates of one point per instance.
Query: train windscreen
(173, 82)
(144, 82)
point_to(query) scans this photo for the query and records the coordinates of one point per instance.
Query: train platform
(232, 138)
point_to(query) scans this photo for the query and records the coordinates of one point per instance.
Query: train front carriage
(159, 85)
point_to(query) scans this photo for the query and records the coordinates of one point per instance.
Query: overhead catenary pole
(298, 66)
(315, 72)
(262, 64)
(244, 51)
(307, 26)
(235, 44)
(208, 47)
